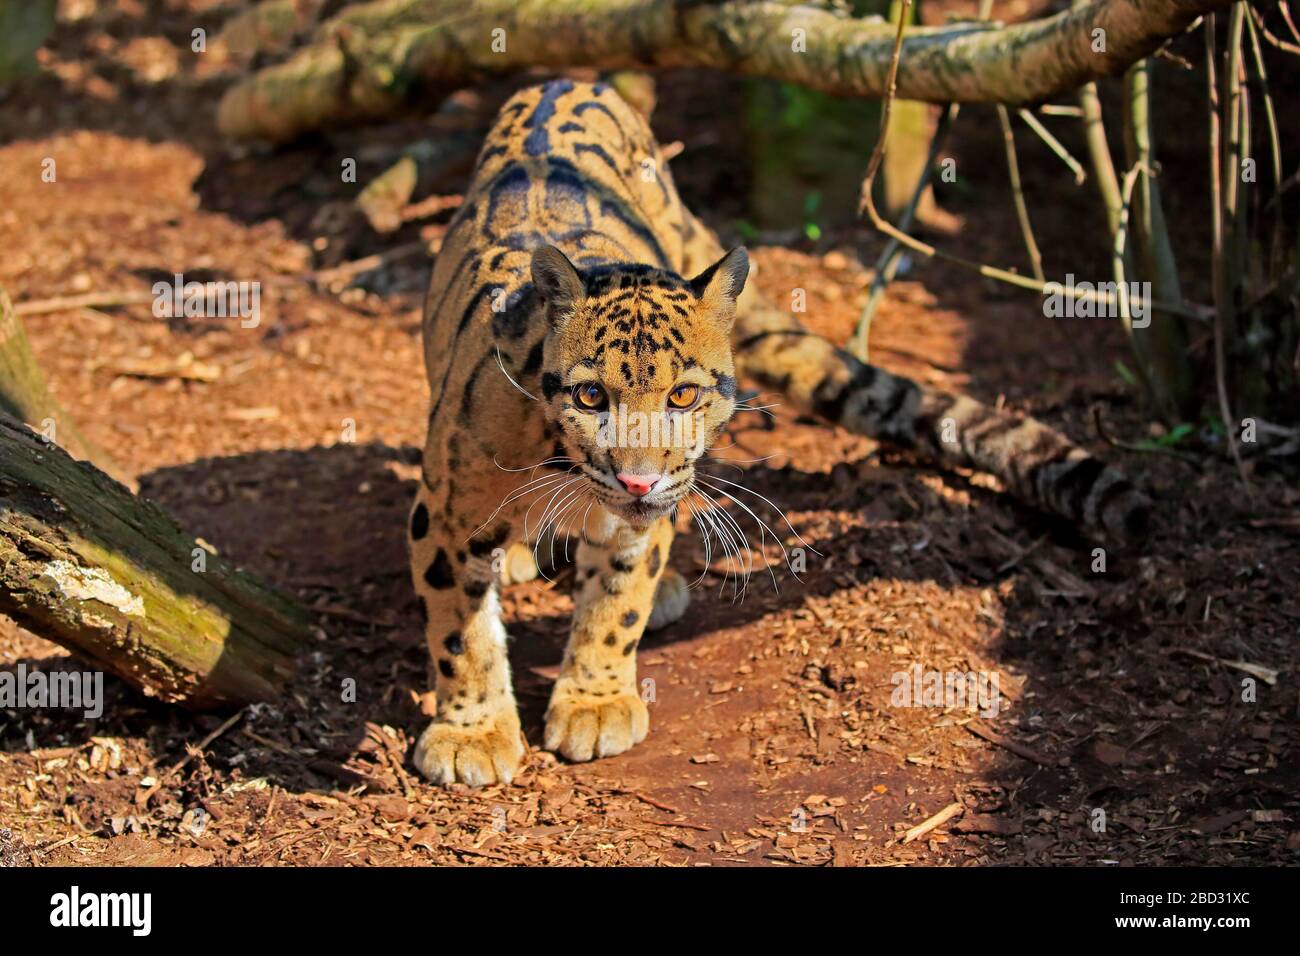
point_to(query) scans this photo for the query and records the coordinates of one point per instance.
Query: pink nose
(638, 485)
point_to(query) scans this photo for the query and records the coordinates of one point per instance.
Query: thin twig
(648, 800)
(350, 269)
(1103, 167)
(1286, 15)
(887, 264)
(90, 300)
(45, 850)
(113, 299)
(1054, 144)
(1018, 194)
(1060, 109)
(1275, 145)
(1019, 749)
(867, 206)
(1275, 40)
(190, 755)
(1117, 263)
(934, 822)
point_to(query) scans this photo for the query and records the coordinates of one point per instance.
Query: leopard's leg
(672, 598)
(475, 736)
(595, 710)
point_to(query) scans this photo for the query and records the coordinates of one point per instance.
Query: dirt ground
(773, 738)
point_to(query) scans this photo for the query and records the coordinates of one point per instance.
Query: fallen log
(373, 60)
(25, 396)
(111, 577)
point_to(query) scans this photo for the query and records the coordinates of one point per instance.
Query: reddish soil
(773, 738)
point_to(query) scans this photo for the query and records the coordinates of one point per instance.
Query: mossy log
(373, 60)
(111, 577)
(25, 396)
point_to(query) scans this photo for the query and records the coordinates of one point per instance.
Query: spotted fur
(573, 267)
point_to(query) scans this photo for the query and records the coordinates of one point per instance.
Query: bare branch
(375, 59)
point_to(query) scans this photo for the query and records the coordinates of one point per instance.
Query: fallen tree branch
(88, 300)
(1019, 749)
(25, 396)
(86, 564)
(934, 822)
(375, 59)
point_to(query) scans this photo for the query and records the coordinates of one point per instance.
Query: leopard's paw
(672, 598)
(477, 755)
(582, 727)
(519, 565)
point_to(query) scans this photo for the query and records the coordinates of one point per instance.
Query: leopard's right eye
(590, 397)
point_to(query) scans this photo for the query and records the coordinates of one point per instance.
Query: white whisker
(502, 365)
(764, 530)
(535, 485)
(555, 493)
(735, 571)
(770, 504)
(544, 461)
(581, 497)
(704, 536)
(734, 532)
(549, 518)
(726, 538)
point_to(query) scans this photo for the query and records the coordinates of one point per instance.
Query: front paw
(477, 755)
(518, 565)
(580, 727)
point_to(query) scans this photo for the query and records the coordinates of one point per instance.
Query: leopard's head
(637, 373)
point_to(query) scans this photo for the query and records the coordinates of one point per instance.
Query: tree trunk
(86, 564)
(374, 59)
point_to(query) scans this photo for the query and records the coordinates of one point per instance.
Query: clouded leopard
(574, 289)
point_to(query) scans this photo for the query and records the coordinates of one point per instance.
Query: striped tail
(1037, 464)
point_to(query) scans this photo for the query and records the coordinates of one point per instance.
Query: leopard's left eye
(590, 397)
(683, 397)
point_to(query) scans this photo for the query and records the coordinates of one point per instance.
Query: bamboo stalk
(1223, 312)
(1276, 251)
(1161, 347)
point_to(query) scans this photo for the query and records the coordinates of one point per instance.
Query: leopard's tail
(1037, 464)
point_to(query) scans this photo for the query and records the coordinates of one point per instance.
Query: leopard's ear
(718, 286)
(557, 281)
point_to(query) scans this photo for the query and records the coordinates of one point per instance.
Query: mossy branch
(376, 59)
